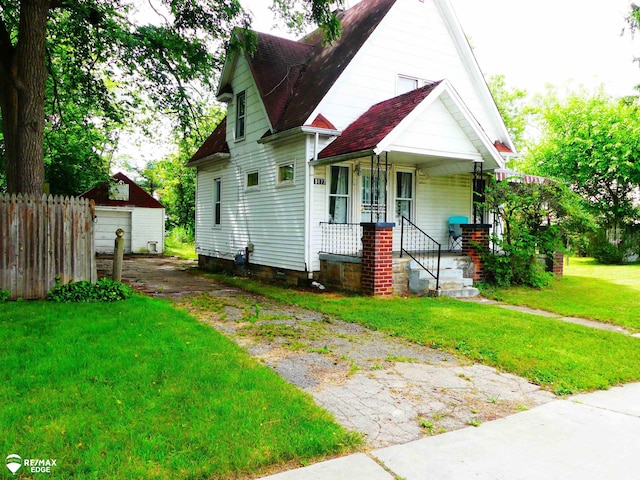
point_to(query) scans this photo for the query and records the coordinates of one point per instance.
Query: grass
(141, 390)
(562, 357)
(175, 248)
(607, 293)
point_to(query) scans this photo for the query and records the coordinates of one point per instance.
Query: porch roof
(410, 128)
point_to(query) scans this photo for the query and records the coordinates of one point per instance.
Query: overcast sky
(540, 42)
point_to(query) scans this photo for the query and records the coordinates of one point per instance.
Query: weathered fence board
(42, 238)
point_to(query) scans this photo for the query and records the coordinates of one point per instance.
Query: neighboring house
(393, 120)
(123, 204)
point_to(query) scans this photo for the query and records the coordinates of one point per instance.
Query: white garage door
(105, 230)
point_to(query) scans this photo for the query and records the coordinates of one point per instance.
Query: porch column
(555, 263)
(377, 258)
(475, 241)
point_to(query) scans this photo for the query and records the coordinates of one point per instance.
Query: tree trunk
(23, 82)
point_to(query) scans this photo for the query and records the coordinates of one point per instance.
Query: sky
(534, 43)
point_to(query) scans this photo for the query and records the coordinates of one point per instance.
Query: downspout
(307, 208)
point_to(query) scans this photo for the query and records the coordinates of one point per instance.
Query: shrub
(180, 235)
(104, 290)
(535, 219)
(4, 295)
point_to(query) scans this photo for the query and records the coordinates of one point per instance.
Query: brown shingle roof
(327, 63)
(294, 76)
(216, 143)
(376, 123)
(137, 196)
(276, 66)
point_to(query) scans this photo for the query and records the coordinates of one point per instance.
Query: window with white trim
(217, 202)
(404, 196)
(406, 84)
(241, 111)
(286, 173)
(339, 195)
(253, 179)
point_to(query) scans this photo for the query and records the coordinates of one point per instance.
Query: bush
(4, 295)
(180, 235)
(607, 253)
(104, 290)
(534, 221)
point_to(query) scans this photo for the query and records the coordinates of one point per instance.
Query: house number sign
(319, 181)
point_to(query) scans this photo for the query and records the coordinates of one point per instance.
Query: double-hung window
(217, 202)
(339, 195)
(404, 196)
(241, 111)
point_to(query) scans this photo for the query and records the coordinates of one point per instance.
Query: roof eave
(307, 130)
(342, 158)
(214, 157)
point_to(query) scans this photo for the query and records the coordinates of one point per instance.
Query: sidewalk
(588, 436)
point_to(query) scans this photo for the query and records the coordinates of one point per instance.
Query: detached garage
(123, 204)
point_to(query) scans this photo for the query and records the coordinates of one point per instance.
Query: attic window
(406, 84)
(241, 108)
(119, 191)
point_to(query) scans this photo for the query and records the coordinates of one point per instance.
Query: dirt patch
(391, 390)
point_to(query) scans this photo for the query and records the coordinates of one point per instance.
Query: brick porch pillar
(555, 264)
(377, 258)
(475, 240)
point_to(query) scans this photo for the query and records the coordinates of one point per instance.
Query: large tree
(592, 142)
(511, 103)
(106, 46)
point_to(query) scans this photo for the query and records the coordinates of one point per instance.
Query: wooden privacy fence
(42, 238)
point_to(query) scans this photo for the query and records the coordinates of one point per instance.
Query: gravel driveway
(391, 390)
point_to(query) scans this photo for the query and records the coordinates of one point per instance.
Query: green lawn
(175, 248)
(608, 293)
(562, 357)
(137, 389)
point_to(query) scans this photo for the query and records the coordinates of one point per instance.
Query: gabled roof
(384, 123)
(216, 143)
(137, 196)
(375, 124)
(293, 77)
(276, 66)
(327, 63)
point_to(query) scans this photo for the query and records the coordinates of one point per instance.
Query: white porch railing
(341, 239)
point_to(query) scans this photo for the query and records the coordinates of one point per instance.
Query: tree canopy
(592, 142)
(79, 69)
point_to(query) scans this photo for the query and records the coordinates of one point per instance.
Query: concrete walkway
(589, 436)
(544, 313)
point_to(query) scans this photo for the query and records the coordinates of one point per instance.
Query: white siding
(439, 198)
(147, 226)
(270, 216)
(435, 130)
(411, 40)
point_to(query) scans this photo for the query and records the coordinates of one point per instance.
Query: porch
(421, 266)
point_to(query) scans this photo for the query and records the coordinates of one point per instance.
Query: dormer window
(406, 84)
(241, 109)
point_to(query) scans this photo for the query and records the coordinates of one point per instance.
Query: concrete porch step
(464, 292)
(452, 282)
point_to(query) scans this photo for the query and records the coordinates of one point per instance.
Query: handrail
(421, 247)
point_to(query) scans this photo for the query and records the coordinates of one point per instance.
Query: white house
(123, 204)
(393, 124)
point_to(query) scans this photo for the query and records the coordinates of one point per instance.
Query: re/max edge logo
(15, 462)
